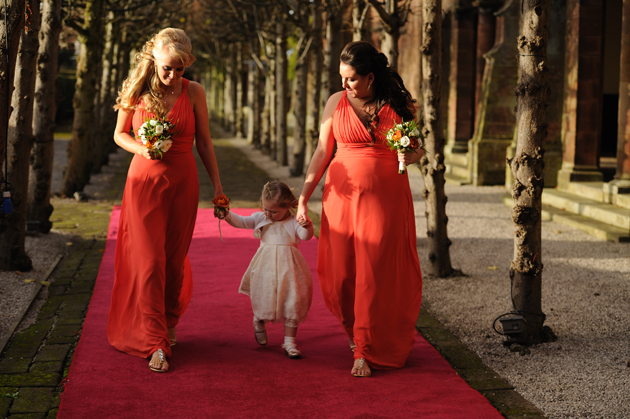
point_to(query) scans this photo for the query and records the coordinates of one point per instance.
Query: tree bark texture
(432, 163)
(77, 173)
(300, 82)
(103, 134)
(45, 108)
(315, 83)
(359, 11)
(238, 116)
(12, 252)
(332, 49)
(15, 21)
(390, 17)
(532, 95)
(230, 92)
(251, 102)
(281, 91)
(265, 138)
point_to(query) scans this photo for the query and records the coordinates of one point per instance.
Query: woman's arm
(203, 141)
(122, 137)
(321, 157)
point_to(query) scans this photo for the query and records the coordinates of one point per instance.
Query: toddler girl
(277, 280)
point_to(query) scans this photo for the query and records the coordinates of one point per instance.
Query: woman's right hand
(146, 153)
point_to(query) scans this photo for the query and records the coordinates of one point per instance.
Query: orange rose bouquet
(405, 137)
(221, 208)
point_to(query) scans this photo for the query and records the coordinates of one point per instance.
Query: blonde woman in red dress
(153, 282)
(367, 264)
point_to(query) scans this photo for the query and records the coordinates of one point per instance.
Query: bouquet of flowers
(404, 137)
(156, 136)
(221, 208)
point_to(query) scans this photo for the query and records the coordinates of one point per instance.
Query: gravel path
(586, 296)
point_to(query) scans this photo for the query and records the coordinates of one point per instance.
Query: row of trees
(248, 51)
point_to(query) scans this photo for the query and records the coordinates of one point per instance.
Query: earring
(369, 85)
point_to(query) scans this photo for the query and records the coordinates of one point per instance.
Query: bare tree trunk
(103, 135)
(359, 11)
(12, 252)
(390, 15)
(15, 21)
(268, 125)
(77, 174)
(532, 94)
(45, 108)
(251, 100)
(238, 116)
(281, 90)
(315, 83)
(230, 91)
(432, 163)
(332, 50)
(299, 107)
(259, 101)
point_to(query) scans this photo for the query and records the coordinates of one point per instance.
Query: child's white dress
(278, 279)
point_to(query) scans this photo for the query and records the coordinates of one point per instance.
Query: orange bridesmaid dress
(367, 262)
(153, 279)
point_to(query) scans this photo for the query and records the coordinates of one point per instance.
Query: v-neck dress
(153, 279)
(367, 263)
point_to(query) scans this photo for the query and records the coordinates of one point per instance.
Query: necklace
(167, 95)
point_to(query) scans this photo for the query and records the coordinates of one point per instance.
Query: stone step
(455, 180)
(622, 201)
(460, 171)
(589, 190)
(460, 159)
(596, 210)
(592, 227)
(598, 191)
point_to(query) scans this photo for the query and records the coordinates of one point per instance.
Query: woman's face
(169, 69)
(273, 211)
(356, 85)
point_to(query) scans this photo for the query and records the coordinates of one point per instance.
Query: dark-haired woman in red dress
(367, 263)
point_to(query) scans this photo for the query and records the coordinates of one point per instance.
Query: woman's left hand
(410, 157)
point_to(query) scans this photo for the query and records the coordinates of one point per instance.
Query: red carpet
(219, 371)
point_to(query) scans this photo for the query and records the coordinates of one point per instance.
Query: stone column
(582, 119)
(495, 121)
(623, 136)
(486, 30)
(461, 97)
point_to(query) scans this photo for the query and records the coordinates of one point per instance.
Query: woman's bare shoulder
(332, 102)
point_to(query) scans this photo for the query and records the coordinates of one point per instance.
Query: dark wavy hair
(388, 85)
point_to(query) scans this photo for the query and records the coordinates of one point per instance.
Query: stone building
(587, 149)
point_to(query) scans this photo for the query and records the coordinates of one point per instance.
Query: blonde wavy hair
(143, 84)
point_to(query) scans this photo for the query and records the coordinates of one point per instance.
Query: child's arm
(305, 229)
(240, 221)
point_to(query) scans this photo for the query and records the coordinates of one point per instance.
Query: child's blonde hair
(143, 83)
(280, 193)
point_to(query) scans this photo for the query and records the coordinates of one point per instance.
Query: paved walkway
(36, 360)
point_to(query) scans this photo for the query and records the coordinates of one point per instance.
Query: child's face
(273, 211)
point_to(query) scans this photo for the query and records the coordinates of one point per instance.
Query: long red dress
(367, 262)
(153, 279)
